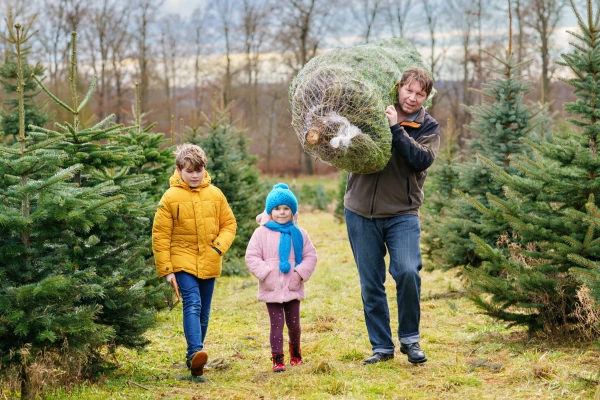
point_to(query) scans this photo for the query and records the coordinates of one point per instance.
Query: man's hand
(392, 115)
(171, 279)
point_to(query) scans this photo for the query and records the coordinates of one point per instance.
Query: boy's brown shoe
(197, 362)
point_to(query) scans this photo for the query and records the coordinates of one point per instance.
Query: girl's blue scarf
(288, 229)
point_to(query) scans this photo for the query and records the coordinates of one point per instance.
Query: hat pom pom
(281, 186)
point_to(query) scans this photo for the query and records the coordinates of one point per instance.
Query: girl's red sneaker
(295, 355)
(278, 362)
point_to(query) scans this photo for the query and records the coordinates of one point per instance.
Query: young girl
(282, 257)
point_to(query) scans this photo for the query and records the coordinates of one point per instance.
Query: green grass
(329, 182)
(470, 355)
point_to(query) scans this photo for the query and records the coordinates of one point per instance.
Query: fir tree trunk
(26, 392)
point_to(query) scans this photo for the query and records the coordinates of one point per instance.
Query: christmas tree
(439, 191)
(232, 170)
(497, 126)
(47, 302)
(539, 280)
(118, 247)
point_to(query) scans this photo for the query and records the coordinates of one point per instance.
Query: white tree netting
(338, 103)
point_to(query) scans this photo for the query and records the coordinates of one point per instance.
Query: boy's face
(190, 176)
(281, 214)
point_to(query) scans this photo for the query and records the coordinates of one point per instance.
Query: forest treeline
(248, 51)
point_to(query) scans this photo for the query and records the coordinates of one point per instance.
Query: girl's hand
(392, 115)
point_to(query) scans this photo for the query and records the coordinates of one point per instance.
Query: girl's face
(190, 176)
(281, 214)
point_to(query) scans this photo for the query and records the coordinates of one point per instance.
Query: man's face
(411, 97)
(190, 176)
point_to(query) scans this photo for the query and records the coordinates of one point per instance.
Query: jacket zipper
(374, 195)
(281, 281)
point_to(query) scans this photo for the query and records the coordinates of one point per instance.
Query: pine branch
(52, 96)
(89, 94)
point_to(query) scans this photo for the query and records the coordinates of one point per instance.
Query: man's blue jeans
(369, 239)
(196, 296)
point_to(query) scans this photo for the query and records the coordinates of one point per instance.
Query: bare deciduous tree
(543, 16)
(55, 38)
(106, 32)
(397, 11)
(303, 26)
(365, 13)
(144, 16)
(198, 23)
(170, 43)
(255, 24)
(225, 11)
(431, 12)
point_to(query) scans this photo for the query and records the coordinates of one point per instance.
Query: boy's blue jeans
(196, 296)
(369, 239)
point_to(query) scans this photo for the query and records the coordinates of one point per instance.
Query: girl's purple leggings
(290, 313)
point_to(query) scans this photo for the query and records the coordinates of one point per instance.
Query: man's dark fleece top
(398, 188)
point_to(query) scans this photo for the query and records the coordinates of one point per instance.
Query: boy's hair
(419, 75)
(190, 155)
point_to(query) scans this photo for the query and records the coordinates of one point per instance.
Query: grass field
(470, 355)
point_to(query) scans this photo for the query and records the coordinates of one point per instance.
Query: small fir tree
(538, 281)
(439, 191)
(47, 303)
(117, 248)
(497, 126)
(233, 171)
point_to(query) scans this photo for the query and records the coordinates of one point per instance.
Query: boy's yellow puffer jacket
(189, 224)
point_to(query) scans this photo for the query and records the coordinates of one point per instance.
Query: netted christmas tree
(497, 126)
(536, 280)
(338, 103)
(48, 303)
(232, 169)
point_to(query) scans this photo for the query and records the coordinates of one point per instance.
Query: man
(382, 213)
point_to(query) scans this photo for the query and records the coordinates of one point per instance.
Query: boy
(193, 227)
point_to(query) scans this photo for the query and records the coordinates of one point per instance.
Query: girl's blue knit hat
(281, 194)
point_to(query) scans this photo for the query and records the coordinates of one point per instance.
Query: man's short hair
(419, 75)
(190, 155)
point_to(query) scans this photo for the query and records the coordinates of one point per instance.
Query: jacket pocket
(409, 199)
(271, 281)
(295, 281)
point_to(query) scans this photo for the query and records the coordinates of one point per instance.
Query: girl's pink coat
(262, 258)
